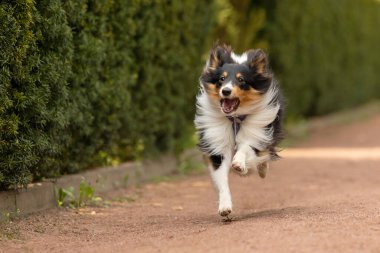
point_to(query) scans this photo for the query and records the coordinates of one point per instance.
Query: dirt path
(316, 199)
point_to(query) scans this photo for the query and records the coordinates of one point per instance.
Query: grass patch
(8, 230)
(85, 197)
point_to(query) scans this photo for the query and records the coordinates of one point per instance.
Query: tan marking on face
(225, 74)
(213, 91)
(238, 75)
(246, 97)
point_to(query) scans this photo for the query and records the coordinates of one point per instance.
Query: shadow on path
(279, 213)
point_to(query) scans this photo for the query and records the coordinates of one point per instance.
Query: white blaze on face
(227, 85)
(239, 58)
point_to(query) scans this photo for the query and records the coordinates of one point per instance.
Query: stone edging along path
(41, 196)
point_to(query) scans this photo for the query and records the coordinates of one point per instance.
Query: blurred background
(92, 83)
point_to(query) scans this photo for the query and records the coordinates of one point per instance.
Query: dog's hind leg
(262, 168)
(219, 168)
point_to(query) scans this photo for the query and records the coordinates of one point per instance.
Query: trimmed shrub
(35, 63)
(83, 83)
(326, 53)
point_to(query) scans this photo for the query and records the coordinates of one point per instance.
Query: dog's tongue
(228, 105)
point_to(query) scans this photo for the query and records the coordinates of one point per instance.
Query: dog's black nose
(226, 92)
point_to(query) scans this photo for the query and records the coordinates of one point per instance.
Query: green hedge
(83, 83)
(326, 53)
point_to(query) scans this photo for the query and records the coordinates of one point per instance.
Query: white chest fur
(218, 132)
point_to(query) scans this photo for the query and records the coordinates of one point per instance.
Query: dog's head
(235, 81)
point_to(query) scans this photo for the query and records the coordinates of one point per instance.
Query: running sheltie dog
(239, 116)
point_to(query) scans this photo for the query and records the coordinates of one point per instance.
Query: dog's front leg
(242, 159)
(219, 175)
(246, 159)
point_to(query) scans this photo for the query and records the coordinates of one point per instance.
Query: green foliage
(8, 230)
(326, 53)
(86, 196)
(65, 195)
(85, 83)
(35, 63)
(240, 23)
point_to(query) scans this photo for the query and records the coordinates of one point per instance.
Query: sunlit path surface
(372, 153)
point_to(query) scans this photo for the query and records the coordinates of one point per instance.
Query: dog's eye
(222, 78)
(241, 80)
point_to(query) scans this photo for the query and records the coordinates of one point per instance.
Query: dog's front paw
(239, 168)
(239, 165)
(225, 206)
(224, 210)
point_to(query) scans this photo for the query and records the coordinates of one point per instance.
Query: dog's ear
(258, 61)
(219, 55)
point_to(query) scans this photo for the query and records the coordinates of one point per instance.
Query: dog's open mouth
(229, 105)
